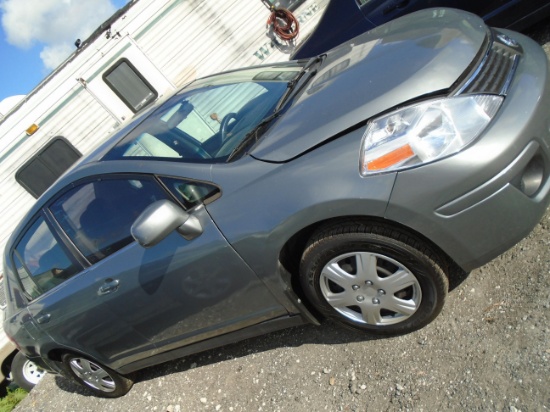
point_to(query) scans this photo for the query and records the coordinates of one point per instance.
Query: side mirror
(160, 219)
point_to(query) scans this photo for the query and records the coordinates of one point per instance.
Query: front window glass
(97, 216)
(191, 193)
(207, 121)
(41, 262)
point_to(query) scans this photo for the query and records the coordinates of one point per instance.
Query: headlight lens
(425, 132)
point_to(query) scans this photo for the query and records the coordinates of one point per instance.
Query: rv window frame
(139, 75)
(28, 186)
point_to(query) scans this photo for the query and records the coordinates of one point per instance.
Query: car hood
(420, 54)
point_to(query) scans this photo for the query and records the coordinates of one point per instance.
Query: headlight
(425, 132)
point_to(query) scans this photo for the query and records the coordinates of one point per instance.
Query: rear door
(63, 302)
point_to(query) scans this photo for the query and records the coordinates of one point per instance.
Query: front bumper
(478, 203)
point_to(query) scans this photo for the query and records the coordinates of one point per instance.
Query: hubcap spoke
(366, 266)
(107, 385)
(372, 288)
(401, 306)
(398, 281)
(100, 374)
(93, 375)
(79, 366)
(371, 315)
(338, 275)
(340, 300)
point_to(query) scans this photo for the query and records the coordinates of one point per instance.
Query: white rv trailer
(145, 52)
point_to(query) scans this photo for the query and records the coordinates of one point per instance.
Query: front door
(171, 294)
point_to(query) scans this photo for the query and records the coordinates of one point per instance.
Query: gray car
(352, 186)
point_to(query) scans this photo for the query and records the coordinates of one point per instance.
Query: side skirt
(252, 331)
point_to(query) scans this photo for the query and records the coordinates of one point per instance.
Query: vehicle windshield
(208, 119)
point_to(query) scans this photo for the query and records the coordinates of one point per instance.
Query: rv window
(130, 85)
(41, 170)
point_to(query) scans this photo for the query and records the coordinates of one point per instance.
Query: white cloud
(55, 24)
(52, 56)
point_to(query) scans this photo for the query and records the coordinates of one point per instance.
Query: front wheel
(102, 381)
(373, 278)
(25, 373)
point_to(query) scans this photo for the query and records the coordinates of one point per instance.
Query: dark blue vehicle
(345, 19)
(285, 4)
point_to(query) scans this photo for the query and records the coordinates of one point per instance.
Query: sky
(38, 35)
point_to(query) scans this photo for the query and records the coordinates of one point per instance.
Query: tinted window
(97, 216)
(46, 166)
(191, 193)
(41, 262)
(130, 86)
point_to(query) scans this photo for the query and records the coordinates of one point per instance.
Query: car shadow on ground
(70, 386)
(328, 333)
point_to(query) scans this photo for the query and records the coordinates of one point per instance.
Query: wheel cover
(370, 288)
(32, 372)
(92, 374)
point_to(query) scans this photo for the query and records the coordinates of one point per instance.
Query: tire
(373, 277)
(25, 373)
(102, 381)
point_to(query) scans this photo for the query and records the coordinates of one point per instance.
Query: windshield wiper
(295, 85)
(252, 136)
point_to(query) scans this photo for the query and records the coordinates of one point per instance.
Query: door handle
(43, 318)
(110, 286)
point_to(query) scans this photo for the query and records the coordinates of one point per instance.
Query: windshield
(207, 120)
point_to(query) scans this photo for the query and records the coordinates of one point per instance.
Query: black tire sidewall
(430, 276)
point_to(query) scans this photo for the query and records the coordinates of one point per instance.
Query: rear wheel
(25, 373)
(102, 381)
(373, 278)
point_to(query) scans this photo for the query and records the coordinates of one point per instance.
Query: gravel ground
(489, 350)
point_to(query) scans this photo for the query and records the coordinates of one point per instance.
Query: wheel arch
(56, 354)
(54, 357)
(295, 246)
